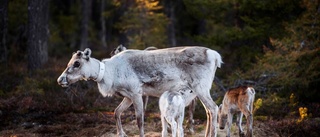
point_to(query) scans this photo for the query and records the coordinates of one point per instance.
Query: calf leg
(211, 110)
(192, 107)
(164, 126)
(173, 125)
(239, 121)
(249, 125)
(126, 102)
(246, 111)
(229, 123)
(180, 124)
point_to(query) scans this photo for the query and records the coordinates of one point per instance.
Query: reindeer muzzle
(63, 81)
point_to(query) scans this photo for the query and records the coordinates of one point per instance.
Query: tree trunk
(86, 12)
(103, 24)
(3, 30)
(170, 11)
(38, 15)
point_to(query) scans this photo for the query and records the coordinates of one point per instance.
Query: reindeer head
(117, 50)
(77, 69)
(222, 118)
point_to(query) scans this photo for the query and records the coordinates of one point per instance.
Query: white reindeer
(192, 105)
(237, 101)
(172, 104)
(134, 73)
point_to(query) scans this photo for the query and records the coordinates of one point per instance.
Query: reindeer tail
(214, 55)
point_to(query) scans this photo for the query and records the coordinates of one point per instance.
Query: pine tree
(242, 28)
(3, 30)
(38, 32)
(293, 64)
(144, 25)
(85, 19)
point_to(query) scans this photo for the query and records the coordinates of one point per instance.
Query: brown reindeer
(237, 101)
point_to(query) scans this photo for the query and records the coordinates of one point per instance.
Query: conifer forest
(270, 45)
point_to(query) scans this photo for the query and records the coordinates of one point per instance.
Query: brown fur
(237, 94)
(237, 101)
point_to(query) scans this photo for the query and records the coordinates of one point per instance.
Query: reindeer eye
(76, 64)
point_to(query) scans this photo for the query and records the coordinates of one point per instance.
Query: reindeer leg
(146, 98)
(249, 117)
(173, 124)
(212, 111)
(192, 107)
(164, 126)
(138, 106)
(125, 104)
(239, 121)
(230, 116)
(180, 123)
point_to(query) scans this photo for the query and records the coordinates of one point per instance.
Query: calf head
(76, 69)
(222, 118)
(117, 50)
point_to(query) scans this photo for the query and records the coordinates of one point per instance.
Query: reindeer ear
(87, 53)
(79, 53)
(122, 48)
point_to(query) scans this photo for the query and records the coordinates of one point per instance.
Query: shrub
(273, 106)
(289, 127)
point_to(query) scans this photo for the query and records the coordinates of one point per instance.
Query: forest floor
(102, 124)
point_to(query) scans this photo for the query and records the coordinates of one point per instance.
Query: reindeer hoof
(242, 134)
(191, 131)
(122, 135)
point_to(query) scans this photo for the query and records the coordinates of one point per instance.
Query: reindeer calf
(172, 105)
(237, 101)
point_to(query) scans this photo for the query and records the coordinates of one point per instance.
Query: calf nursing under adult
(237, 101)
(134, 73)
(192, 105)
(172, 104)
